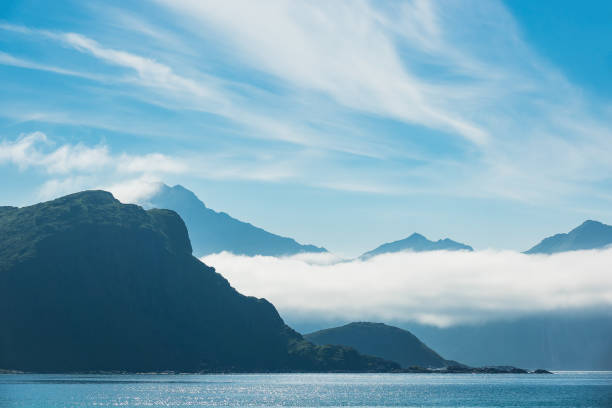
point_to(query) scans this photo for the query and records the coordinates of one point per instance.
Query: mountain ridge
(417, 243)
(588, 235)
(384, 341)
(213, 232)
(90, 284)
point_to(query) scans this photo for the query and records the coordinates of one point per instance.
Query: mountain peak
(182, 190)
(176, 194)
(88, 210)
(417, 243)
(111, 287)
(89, 196)
(365, 324)
(588, 235)
(381, 340)
(213, 232)
(588, 225)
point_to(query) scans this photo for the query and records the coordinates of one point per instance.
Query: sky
(342, 124)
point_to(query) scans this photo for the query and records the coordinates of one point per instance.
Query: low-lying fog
(440, 288)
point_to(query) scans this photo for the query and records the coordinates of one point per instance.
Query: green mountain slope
(90, 284)
(589, 235)
(378, 339)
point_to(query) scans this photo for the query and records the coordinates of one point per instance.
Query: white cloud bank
(440, 288)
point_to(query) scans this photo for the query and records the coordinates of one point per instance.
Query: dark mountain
(90, 284)
(417, 243)
(557, 341)
(213, 232)
(378, 339)
(589, 235)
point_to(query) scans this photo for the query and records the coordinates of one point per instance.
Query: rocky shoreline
(411, 370)
(476, 370)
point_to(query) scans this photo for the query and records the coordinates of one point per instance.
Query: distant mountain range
(417, 243)
(557, 341)
(213, 232)
(380, 340)
(90, 284)
(589, 235)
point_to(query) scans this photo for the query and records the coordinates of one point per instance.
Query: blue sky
(342, 124)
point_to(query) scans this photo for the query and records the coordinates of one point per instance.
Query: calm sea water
(565, 389)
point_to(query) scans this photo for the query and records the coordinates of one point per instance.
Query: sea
(561, 389)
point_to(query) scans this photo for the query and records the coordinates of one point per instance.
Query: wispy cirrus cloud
(205, 93)
(460, 67)
(7, 59)
(410, 61)
(399, 102)
(342, 49)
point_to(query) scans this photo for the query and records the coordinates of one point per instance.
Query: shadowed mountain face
(378, 339)
(213, 232)
(89, 284)
(417, 243)
(589, 235)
